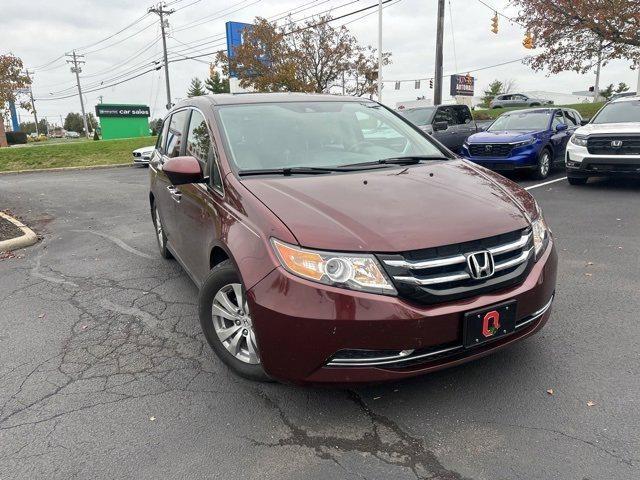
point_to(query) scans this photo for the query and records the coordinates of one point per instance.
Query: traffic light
(431, 83)
(528, 41)
(494, 23)
(592, 88)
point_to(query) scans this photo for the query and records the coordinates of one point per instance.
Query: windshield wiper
(405, 160)
(290, 171)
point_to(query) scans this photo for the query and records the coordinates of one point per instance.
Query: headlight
(531, 141)
(354, 271)
(540, 234)
(579, 140)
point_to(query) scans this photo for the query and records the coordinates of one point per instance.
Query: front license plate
(489, 323)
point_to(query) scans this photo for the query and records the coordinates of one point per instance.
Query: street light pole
(380, 50)
(437, 84)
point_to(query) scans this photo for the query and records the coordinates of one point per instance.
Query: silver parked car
(518, 100)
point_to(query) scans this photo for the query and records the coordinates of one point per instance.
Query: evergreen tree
(215, 83)
(196, 89)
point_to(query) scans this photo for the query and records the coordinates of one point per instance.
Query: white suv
(609, 145)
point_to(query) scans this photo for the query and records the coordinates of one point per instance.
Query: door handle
(175, 193)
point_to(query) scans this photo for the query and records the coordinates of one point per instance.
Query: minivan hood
(501, 136)
(392, 209)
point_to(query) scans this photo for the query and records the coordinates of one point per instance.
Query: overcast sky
(39, 31)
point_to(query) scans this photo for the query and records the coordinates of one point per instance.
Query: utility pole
(33, 102)
(76, 69)
(638, 86)
(161, 12)
(380, 51)
(596, 88)
(437, 89)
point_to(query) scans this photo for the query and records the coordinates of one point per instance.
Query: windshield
(418, 116)
(317, 134)
(521, 121)
(622, 112)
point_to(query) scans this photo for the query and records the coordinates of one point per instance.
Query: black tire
(544, 165)
(161, 238)
(577, 180)
(221, 276)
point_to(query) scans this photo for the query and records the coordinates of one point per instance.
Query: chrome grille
(442, 273)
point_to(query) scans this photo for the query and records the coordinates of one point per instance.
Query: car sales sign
(110, 110)
(462, 85)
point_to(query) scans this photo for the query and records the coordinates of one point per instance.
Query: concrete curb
(27, 238)
(65, 169)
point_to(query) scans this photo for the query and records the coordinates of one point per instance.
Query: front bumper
(582, 164)
(524, 158)
(301, 326)
(141, 160)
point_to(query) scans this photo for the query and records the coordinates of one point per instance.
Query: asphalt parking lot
(104, 372)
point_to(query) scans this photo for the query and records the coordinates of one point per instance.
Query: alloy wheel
(159, 231)
(233, 325)
(545, 164)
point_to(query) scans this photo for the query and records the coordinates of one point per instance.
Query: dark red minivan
(333, 241)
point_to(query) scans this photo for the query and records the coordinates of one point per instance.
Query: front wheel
(577, 180)
(227, 324)
(544, 165)
(161, 237)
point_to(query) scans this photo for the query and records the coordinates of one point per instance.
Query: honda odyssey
(334, 242)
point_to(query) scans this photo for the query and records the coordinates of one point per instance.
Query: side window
(463, 114)
(162, 136)
(444, 114)
(174, 135)
(199, 141)
(505, 97)
(570, 118)
(557, 119)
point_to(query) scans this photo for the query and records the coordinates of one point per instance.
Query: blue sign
(14, 116)
(234, 39)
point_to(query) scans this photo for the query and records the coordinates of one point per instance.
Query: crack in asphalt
(406, 451)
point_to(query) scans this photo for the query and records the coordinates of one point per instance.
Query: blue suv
(533, 139)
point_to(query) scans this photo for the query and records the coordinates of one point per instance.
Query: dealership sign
(104, 110)
(461, 85)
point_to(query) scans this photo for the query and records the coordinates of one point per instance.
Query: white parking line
(545, 183)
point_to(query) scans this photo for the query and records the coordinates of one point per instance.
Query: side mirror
(561, 127)
(183, 170)
(439, 126)
(584, 121)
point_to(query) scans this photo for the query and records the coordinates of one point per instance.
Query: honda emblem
(616, 143)
(480, 265)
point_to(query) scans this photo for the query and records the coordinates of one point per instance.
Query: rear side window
(174, 135)
(463, 114)
(570, 118)
(445, 114)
